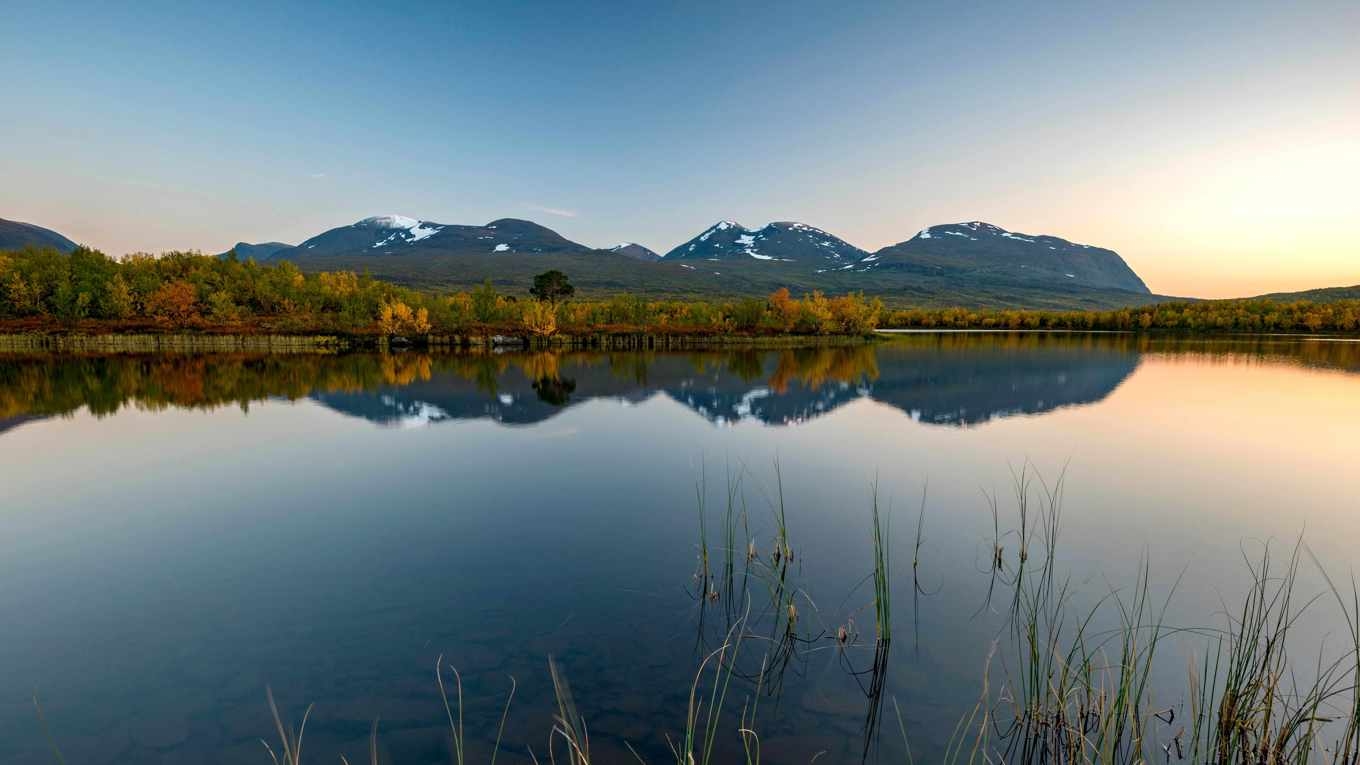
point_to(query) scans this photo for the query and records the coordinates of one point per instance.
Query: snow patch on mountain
(421, 231)
(404, 230)
(722, 225)
(389, 221)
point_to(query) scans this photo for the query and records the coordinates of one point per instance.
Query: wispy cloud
(317, 176)
(554, 211)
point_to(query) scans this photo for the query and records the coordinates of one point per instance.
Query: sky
(1216, 146)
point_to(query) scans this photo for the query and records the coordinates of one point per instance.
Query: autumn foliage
(40, 288)
(1249, 316)
(43, 288)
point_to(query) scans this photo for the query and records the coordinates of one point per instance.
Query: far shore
(167, 340)
(1345, 338)
(225, 342)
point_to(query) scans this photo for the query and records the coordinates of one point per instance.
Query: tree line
(1251, 316)
(42, 287)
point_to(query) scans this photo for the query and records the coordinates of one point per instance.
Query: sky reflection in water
(179, 531)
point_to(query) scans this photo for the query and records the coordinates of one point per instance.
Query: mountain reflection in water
(945, 379)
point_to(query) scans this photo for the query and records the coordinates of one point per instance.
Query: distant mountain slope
(600, 274)
(636, 252)
(1321, 295)
(400, 235)
(15, 236)
(779, 241)
(261, 251)
(981, 250)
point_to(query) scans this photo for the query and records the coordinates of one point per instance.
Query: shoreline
(193, 342)
(144, 342)
(1338, 336)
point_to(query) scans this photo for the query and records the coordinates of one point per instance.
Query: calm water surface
(178, 532)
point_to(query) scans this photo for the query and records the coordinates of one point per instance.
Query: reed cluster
(1062, 682)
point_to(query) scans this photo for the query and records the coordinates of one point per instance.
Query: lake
(179, 532)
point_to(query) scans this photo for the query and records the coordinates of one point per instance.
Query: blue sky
(1214, 145)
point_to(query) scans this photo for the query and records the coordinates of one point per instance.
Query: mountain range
(971, 263)
(960, 251)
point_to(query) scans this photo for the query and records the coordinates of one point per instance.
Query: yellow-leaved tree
(540, 317)
(395, 317)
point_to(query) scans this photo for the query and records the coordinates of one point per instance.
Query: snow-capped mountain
(402, 235)
(779, 241)
(960, 263)
(16, 236)
(982, 250)
(635, 251)
(403, 230)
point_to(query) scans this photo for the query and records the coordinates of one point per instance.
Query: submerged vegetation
(1075, 692)
(1063, 683)
(86, 290)
(1071, 676)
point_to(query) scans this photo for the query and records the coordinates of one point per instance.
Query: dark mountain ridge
(400, 235)
(782, 241)
(636, 252)
(1320, 295)
(261, 251)
(982, 250)
(969, 264)
(15, 235)
(972, 264)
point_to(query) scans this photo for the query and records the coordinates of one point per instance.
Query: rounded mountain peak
(388, 221)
